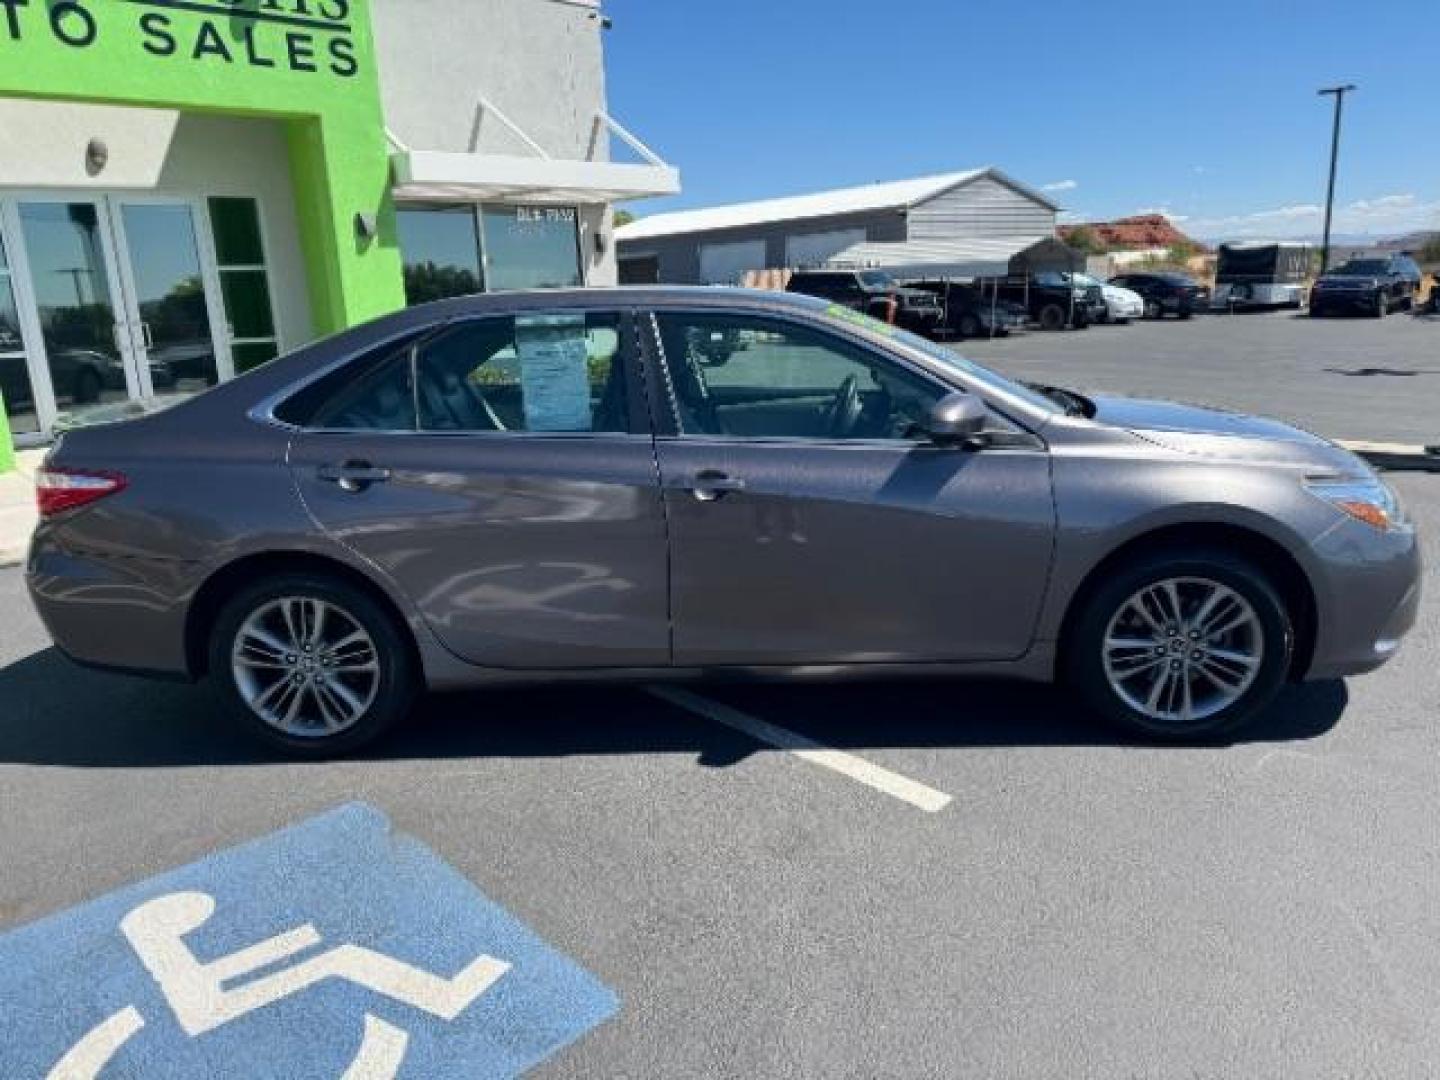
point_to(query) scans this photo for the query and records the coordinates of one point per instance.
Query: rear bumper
(116, 613)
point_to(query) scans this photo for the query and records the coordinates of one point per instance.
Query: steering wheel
(844, 411)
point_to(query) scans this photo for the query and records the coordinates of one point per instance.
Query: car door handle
(353, 476)
(711, 484)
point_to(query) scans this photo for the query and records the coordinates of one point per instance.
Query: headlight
(1371, 501)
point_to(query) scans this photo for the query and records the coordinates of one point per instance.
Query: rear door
(809, 524)
(502, 473)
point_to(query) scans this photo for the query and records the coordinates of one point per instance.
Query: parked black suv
(971, 312)
(875, 293)
(1047, 298)
(1369, 286)
(1166, 292)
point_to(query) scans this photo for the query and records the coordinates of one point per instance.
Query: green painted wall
(308, 62)
(7, 445)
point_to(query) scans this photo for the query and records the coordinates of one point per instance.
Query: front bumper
(1368, 598)
(1348, 300)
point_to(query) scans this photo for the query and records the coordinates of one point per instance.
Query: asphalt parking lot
(1345, 378)
(982, 883)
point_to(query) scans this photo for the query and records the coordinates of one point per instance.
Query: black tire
(1153, 310)
(398, 678)
(970, 326)
(1052, 317)
(1084, 665)
(1185, 314)
(88, 386)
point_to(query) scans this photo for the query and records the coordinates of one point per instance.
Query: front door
(118, 297)
(809, 524)
(502, 473)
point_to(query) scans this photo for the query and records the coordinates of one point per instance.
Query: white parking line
(857, 768)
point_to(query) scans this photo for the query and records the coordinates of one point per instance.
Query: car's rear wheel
(969, 326)
(1153, 310)
(1052, 317)
(311, 664)
(1181, 645)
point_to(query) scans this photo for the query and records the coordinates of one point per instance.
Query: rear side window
(545, 372)
(327, 400)
(561, 372)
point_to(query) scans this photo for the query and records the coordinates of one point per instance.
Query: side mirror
(957, 419)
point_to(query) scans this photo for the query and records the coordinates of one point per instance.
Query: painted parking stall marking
(856, 768)
(334, 948)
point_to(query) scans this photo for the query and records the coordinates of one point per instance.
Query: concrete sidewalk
(17, 506)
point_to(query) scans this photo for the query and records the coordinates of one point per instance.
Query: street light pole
(1338, 92)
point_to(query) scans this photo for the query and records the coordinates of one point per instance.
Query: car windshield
(1177, 279)
(987, 379)
(1085, 279)
(1362, 267)
(877, 279)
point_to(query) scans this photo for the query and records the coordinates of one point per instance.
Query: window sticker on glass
(554, 352)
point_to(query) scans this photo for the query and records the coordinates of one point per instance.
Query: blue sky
(1206, 110)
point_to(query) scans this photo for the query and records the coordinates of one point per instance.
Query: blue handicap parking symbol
(334, 948)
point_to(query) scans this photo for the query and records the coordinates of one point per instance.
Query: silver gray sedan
(665, 483)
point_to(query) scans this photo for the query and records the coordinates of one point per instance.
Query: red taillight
(58, 489)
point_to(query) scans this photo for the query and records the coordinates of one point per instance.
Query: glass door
(16, 387)
(169, 297)
(69, 263)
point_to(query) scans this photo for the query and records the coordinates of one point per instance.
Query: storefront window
(14, 374)
(441, 249)
(532, 247)
(244, 282)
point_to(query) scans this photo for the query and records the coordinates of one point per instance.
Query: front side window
(752, 377)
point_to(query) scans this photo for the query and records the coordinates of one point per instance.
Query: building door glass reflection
(16, 387)
(68, 256)
(170, 310)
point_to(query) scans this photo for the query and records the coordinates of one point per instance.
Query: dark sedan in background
(574, 485)
(1166, 293)
(972, 312)
(1367, 287)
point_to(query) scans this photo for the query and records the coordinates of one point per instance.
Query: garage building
(720, 245)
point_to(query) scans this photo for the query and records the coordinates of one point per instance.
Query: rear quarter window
(307, 407)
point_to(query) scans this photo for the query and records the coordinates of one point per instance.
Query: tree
(1181, 252)
(1083, 238)
(1430, 253)
(623, 217)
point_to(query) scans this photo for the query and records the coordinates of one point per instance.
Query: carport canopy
(994, 256)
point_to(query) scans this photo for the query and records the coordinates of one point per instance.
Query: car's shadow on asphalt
(53, 713)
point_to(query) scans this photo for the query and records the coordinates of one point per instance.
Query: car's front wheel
(311, 664)
(1181, 645)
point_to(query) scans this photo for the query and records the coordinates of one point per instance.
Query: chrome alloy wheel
(1183, 649)
(305, 666)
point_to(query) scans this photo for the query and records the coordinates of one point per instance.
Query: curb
(1396, 457)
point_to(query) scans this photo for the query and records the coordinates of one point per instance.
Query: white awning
(979, 257)
(470, 176)
(436, 175)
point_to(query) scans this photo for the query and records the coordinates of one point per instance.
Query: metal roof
(893, 195)
(980, 257)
